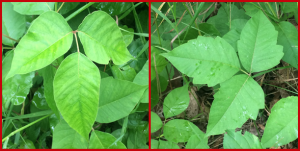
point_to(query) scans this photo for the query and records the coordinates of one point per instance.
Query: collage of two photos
(149, 75)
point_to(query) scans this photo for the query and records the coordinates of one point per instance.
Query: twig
(10, 38)
(60, 6)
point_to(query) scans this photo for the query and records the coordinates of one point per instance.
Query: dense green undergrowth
(74, 75)
(209, 62)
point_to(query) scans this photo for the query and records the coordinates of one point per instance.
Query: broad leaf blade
(16, 88)
(65, 137)
(118, 96)
(282, 125)
(197, 142)
(257, 47)
(13, 24)
(235, 140)
(102, 39)
(48, 74)
(179, 130)
(156, 122)
(238, 99)
(210, 61)
(288, 38)
(48, 38)
(76, 92)
(155, 144)
(176, 101)
(101, 140)
(32, 8)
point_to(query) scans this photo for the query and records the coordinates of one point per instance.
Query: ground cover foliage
(74, 75)
(224, 75)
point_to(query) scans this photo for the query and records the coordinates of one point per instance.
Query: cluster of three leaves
(213, 61)
(77, 81)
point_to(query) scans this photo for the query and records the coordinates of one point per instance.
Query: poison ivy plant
(74, 79)
(222, 73)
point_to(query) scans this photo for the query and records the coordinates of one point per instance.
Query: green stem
(79, 10)
(24, 127)
(138, 24)
(157, 32)
(55, 6)
(264, 72)
(271, 9)
(245, 72)
(129, 10)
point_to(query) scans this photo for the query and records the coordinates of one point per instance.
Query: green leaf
(197, 142)
(116, 96)
(137, 140)
(14, 89)
(225, 13)
(257, 47)
(39, 100)
(102, 39)
(210, 61)
(288, 38)
(179, 130)
(282, 125)
(32, 8)
(156, 122)
(113, 8)
(238, 99)
(127, 35)
(27, 144)
(124, 73)
(155, 144)
(65, 137)
(13, 24)
(235, 140)
(232, 37)
(53, 121)
(160, 62)
(67, 7)
(176, 101)
(49, 41)
(48, 76)
(101, 140)
(238, 24)
(288, 7)
(76, 92)
(142, 78)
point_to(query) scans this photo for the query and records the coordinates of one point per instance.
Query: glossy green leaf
(49, 41)
(53, 121)
(179, 130)
(48, 74)
(160, 62)
(33, 8)
(210, 61)
(13, 24)
(237, 100)
(156, 122)
(27, 144)
(101, 140)
(14, 89)
(288, 38)
(235, 140)
(155, 144)
(197, 142)
(65, 137)
(39, 99)
(232, 37)
(176, 101)
(257, 47)
(137, 140)
(225, 13)
(113, 8)
(142, 78)
(282, 124)
(76, 92)
(124, 73)
(288, 7)
(127, 35)
(102, 39)
(118, 96)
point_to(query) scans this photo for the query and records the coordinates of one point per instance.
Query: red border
(149, 77)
